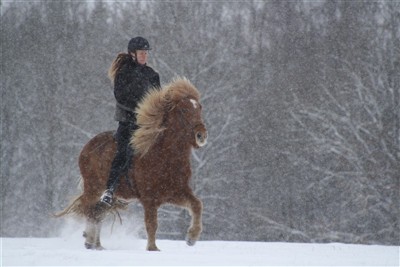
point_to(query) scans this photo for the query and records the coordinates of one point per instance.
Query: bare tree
(352, 145)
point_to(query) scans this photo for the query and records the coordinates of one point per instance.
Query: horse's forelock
(150, 112)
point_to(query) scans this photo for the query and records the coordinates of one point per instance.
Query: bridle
(185, 122)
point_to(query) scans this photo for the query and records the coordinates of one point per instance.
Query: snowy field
(122, 251)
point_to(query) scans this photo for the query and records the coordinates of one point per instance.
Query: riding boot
(107, 197)
(113, 181)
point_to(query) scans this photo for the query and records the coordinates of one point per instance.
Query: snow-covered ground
(69, 251)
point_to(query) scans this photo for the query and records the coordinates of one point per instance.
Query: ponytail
(120, 60)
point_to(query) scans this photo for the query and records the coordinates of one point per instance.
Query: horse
(170, 126)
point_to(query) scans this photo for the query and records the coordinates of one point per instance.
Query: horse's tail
(74, 208)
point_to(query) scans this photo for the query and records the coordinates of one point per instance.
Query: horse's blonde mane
(151, 110)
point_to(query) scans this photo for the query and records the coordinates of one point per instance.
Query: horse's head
(189, 118)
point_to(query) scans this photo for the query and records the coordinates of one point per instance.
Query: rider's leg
(120, 162)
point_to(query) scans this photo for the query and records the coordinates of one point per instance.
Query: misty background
(301, 100)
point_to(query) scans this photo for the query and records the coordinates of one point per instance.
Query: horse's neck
(175, 142)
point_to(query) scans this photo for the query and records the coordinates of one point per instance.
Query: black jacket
(132, 82)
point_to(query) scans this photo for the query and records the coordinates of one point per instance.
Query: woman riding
(132, 79)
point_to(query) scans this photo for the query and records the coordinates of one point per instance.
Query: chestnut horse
(170, 125)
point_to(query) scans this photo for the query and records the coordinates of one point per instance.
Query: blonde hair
(120, 60)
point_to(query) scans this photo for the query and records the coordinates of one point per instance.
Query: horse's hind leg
(92, 235)
(93, 227)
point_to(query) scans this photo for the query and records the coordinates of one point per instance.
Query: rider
(132, 79)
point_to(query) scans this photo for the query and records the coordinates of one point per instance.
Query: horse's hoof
(190, 242)
(94, 246)
(153, 248)
(90, 246)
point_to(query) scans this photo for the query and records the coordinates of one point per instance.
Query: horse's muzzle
(201, 138)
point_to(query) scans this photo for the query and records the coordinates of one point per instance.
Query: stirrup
(107, 197)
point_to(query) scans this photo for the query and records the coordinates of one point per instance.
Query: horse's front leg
(150, 218)
(195, 208)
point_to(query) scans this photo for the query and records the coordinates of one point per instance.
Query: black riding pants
(122, 160)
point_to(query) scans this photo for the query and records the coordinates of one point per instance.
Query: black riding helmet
(138, 43)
